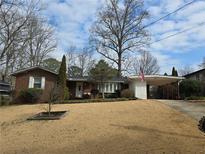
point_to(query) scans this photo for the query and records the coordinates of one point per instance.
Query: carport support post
(178, 89)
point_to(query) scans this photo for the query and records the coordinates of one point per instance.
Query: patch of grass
(94, 100)
(195, 98)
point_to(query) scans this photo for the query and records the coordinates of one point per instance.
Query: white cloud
(170, 6)
(72, 20)
(180, 44)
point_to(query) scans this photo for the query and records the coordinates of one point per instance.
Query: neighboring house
(38, 77)
(200, 76)
(5, 88)
(197, 75)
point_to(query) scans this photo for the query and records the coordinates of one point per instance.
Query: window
(37, 82)
(115, 86)
(111, 87)
(107, 87)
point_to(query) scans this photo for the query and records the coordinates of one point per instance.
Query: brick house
(38, 77)
(197, 75)
(81, 87)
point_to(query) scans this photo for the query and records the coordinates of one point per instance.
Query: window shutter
(31, 82)
(43, 82)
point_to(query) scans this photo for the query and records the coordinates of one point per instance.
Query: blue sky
(72, 19)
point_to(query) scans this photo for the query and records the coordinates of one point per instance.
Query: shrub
(67, 96)
(5, 100)
(126, 93)
(195, 98)
(94, 93)
(86, 96)
(117, 92)
(189, 88)
(111, 95)
(95, 100)
(201, 124)
(30, 95)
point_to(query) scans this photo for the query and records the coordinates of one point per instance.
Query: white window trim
(43, 82)
(31, 82)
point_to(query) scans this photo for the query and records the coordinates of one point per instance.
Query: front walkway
(195, 110)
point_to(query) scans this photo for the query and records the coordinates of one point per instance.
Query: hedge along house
(155, 86)
(79, 87)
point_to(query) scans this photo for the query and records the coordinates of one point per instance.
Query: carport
(167, 86)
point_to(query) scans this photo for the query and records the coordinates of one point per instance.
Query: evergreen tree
(174, 72)
(52, 64)
(61, 80)
(165, 74)
(102, 72)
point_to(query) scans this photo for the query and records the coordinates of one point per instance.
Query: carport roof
(158, 79)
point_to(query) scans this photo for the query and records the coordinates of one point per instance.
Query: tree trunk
(103, 93)
(49, 108)
(119, 70)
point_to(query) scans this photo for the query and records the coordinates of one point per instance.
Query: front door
(79, 90)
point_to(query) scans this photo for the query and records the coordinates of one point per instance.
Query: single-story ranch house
(154, 86)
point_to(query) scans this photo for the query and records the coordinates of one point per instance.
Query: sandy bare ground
(123, 127)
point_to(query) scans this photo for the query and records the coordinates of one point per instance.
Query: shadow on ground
(151, 130)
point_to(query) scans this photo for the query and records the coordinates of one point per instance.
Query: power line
(180, 8)
(183, 31)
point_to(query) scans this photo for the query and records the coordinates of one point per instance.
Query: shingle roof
(194, 72)
(85, 78)
(32, 68)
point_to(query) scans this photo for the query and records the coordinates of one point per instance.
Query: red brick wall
(22, 82)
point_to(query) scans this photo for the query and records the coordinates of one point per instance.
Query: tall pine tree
(174, 72)
(61, 80)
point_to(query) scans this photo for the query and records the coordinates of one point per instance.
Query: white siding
(139, 88)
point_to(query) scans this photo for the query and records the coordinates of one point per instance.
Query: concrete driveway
(194, 110)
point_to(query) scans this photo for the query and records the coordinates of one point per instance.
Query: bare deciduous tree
(25, 39)
(202, 65)
(119, 29)
(40, 41)
(185, 70)
(81, 59)
(147, 62)
(70, 56)
(13, 17)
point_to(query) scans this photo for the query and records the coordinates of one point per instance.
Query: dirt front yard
(121, 127)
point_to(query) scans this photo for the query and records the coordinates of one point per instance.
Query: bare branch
(119, 30)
